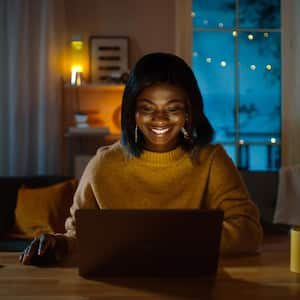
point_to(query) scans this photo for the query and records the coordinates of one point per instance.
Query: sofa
(10, 191)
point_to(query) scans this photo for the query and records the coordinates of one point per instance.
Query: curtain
(31, 60)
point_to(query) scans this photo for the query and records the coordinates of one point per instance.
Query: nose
(160, 116)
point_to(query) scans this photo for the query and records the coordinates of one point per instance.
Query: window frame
(183, 48)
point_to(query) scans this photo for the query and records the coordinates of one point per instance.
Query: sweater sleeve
(242, 232)
(84, 198)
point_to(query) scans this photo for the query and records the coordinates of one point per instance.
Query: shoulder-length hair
(156, 68)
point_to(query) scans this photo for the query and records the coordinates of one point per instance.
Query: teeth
(160, 131)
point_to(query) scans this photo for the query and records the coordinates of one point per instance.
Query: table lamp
(76, 61)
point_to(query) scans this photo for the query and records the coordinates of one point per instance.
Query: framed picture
(108, 59)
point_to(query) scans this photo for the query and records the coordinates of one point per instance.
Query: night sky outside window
(237, 61)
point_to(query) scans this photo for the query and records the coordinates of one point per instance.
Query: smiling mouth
(160, 131)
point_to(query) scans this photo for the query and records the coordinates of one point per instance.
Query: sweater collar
(162, 158)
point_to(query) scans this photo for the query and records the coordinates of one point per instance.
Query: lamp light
(76, 60)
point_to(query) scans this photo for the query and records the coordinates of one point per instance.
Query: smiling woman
(163, 93)
(164, 161)
(160, 116)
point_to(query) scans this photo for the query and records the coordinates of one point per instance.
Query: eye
(146, 109)
(175, 109)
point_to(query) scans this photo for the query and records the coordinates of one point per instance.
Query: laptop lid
(180, 243)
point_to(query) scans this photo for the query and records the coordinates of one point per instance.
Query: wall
(149, 24)
(290, 82)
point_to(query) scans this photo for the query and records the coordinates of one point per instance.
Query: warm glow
(193, 14)
(266, 34)
(234, 33)
(77, 45)
(76, 68)
(241, 142)
(76, 61)
(273, 140)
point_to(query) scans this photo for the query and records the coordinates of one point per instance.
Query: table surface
(263, 276)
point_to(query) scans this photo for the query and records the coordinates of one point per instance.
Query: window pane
(254, 142)
(258, 157)
(259, 13)
(260, 87)
(264, 157)
(213, 64)
(231, 151)
(213, 14)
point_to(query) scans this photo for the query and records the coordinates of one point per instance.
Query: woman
(164, 160)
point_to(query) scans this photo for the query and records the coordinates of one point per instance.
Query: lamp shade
(76, 61)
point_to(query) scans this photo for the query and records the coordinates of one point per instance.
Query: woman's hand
(45, 249)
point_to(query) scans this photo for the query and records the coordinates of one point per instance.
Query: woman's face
(160, 115)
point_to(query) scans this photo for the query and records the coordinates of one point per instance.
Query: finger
(21, 257)
(30, 251)
(23, 254)
(44, 245)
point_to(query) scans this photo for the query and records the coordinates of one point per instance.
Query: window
(236, 57)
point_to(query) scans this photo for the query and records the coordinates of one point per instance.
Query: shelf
(97, 87)
(76, 131)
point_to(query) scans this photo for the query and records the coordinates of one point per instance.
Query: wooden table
(264, 276)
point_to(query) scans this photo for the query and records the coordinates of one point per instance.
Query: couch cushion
(43, 210)
(8, 196)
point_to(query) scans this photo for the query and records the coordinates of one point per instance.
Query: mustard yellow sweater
(171, 180)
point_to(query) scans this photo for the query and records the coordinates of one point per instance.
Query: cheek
(179, 120)
(139, 118)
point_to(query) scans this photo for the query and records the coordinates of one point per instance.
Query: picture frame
(108, 59)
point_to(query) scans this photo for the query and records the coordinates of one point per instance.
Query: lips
(160, 131)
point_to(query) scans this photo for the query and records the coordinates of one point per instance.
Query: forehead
(162, 93)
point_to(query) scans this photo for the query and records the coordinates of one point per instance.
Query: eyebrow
(169, 101)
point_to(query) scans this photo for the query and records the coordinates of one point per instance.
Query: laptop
(152, 243)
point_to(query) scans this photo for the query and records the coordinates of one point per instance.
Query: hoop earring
(185, 133)
(136, 134)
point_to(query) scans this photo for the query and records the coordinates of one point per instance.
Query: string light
(234, 33)
(208, 60)
(266, 34)
(241, 142)
(221, 25)
(223, 63)
(250, 37)
(269, 67)
(273, 140)
(205, 22)
(253, 67)
(195, 54)
(193, 14)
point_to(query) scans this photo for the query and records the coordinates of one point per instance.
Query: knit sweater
(170, 180)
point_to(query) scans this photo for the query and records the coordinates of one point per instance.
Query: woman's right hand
(43, 250)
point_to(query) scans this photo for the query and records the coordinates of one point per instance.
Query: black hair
(168, 68)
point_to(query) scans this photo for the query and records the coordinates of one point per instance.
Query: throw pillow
(43, 210)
